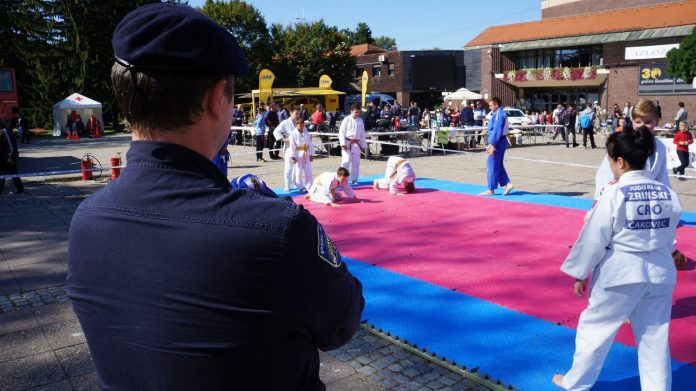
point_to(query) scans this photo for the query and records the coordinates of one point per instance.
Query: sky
(416, 25)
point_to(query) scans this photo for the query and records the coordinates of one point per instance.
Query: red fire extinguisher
(86, 168)
(116, 166)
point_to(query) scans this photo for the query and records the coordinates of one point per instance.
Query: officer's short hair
(342, 172)
(167, 58)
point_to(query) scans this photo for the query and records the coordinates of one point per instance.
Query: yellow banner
(364, 87)
(266, 78)
(331, 102)
(325, 81)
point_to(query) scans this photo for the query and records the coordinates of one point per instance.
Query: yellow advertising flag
(325, 81)
(364, 87)
(266, 78)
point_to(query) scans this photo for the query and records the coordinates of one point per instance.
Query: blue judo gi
(497, 176)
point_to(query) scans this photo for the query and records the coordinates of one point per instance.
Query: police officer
(195, 285)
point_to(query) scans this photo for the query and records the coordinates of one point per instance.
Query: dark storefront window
(554, 58)
(376, 71)
(359, 72)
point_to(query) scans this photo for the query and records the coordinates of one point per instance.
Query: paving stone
(332, 369)
(432, 375)
(364, 360)
(63, 385)
(23, 343)
(400, 379)
(367, 370)
(63, 334)
(86, 382)
(12, 322)
(395, 367)
(39, 275)
(31, 371)
(76, 360)
(58, 312)
(411, 372)
(447, 381)
(388, 382)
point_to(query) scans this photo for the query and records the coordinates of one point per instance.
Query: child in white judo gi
(282, 132)
(329, 187)
(643, 113)
(626, 245)
(353, 142)
(301, 152)
(399, 172)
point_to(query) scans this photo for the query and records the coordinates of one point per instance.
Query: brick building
(418, 75)
(584, 51)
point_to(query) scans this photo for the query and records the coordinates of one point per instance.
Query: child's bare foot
(334, 205)
(486, 193)
(508, 188)
(286, 188)
(558, 380)
(306, 197)
(375, 185)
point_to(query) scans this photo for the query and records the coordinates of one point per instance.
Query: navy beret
(176, 37)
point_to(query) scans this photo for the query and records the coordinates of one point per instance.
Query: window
(359, 72)
(6, 81)
(376, 70)
(392, 69)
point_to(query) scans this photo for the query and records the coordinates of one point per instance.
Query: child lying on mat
(325, 188)
(399, 172)
(626, 244)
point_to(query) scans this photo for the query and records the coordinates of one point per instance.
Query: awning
(300, 91)
(596, 39)
(597, 81)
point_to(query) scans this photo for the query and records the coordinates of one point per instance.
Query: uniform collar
(157, 154)
(634, 175)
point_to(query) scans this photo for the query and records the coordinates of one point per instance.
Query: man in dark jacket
(195, 285)
(9, 154)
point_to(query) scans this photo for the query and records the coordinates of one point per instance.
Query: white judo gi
(398, 172)
(282, 131)
(351, 135)
(301, 148)
(626, 244)
(324, 187)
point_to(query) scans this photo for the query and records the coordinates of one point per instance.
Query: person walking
(586, 120)
(9, 154)
(195, 285)
(570, 125)
(497, 144)
(682, 139)
(682, 115)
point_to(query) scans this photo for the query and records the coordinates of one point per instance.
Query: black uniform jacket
(182, 283)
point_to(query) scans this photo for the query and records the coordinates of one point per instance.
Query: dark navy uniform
(181, 282)
(191, 284)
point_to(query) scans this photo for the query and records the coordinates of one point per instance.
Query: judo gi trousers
(350, 160)
(497, 176)
(289, 170)
(326, 198)
(648, 307)
(303, 173)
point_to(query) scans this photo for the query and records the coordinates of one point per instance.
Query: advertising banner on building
(653, 79)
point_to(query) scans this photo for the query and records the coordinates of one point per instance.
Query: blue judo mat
(506, 345)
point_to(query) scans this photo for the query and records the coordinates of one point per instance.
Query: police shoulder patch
(326, 248)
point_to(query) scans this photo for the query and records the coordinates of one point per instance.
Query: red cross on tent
(79, 98)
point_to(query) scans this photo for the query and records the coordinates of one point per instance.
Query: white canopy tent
(463, 94)
(82, 105)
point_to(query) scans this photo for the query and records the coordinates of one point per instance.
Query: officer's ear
(218, 99)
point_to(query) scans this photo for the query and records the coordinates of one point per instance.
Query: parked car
(515, 116)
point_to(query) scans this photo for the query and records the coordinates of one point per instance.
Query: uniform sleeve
(342, 131)
(293, 146)
(324, 301)
(594, 237)
(602, 177)
(495, 128)
(310, 145)
(659, 168)
(363, 138)
(277, 132)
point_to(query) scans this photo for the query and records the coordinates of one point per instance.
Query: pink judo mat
(507, 253)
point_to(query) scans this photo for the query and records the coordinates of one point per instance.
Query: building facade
(419, 75)
(585, 51)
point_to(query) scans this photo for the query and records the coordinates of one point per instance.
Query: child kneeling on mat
(626, 244)
(325, 188)
(399, 172)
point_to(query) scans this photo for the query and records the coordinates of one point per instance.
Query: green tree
(362, 34)
(304, 51)
(386, 43)
(247, 24)
(681, 62)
